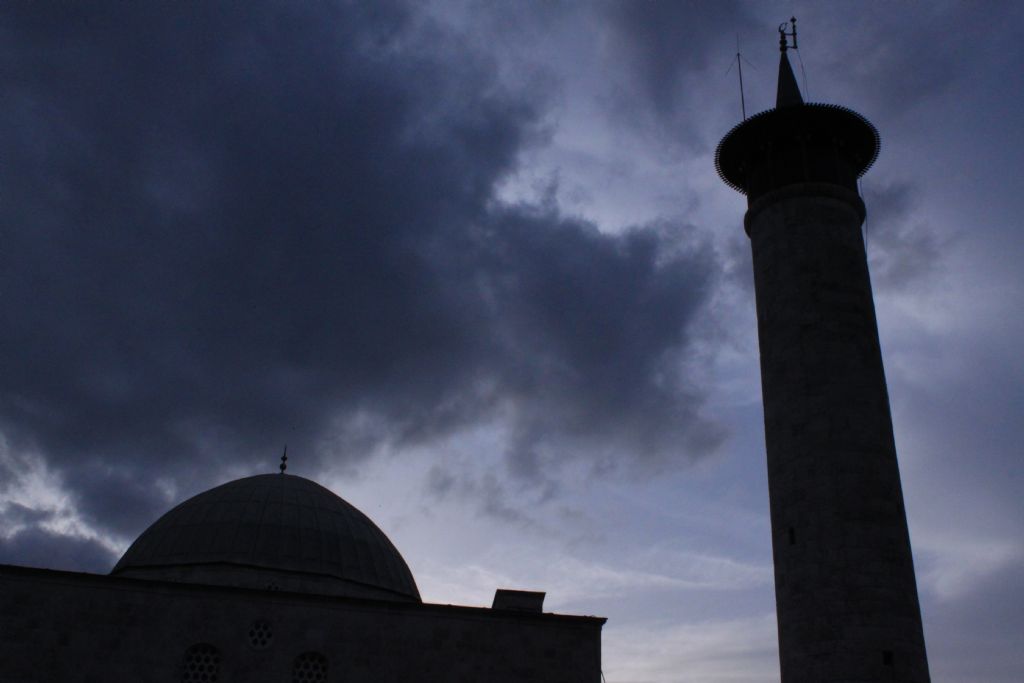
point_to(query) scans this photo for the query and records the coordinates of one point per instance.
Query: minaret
(845, 592)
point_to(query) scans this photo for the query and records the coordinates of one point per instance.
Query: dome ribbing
(271, 530)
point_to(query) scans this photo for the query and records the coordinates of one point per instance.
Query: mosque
(275, 578)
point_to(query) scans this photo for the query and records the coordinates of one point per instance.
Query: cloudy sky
(472, 263)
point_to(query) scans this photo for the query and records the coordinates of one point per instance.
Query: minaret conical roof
(788, 92)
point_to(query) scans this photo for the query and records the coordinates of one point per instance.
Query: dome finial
(284, 460)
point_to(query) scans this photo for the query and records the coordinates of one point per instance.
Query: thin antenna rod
(739, 64)
(803, 72)
(739, 69)
(284, 460)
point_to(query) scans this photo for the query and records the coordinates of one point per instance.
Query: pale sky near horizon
(472, 262)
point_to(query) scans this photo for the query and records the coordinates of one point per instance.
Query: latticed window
(201, 664)
(261, 635)
(310, 667)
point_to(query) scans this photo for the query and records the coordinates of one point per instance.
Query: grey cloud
(738, 266)
(227, 230)
(902, 249)
(905, 56)
(977, 636)
(484, 490)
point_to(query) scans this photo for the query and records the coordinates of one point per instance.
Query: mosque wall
(63, 626)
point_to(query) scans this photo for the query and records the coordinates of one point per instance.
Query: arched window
(309, 667)
(201, 664)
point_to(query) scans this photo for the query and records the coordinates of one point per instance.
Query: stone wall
(64, 626)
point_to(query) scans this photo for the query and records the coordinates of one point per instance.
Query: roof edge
(120, 582)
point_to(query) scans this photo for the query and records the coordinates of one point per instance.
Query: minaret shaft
(844, 578)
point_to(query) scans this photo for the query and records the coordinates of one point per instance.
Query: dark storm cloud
(669, 50)
(36, 547)
(668, 41)
(227, 229)
(607, 321)
(17, 515)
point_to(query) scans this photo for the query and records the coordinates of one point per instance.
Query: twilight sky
(472, 262)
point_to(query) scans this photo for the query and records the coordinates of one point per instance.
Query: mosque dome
(271, 531)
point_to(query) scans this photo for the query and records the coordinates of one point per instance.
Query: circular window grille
(201, 664)
(260, 634)
(310, 667)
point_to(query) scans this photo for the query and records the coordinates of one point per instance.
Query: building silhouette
(846, 596)
(274, 578)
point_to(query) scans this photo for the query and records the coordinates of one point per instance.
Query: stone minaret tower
(845, 591)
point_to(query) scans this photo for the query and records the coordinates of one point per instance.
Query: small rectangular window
(792, 536)
(887, 657)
